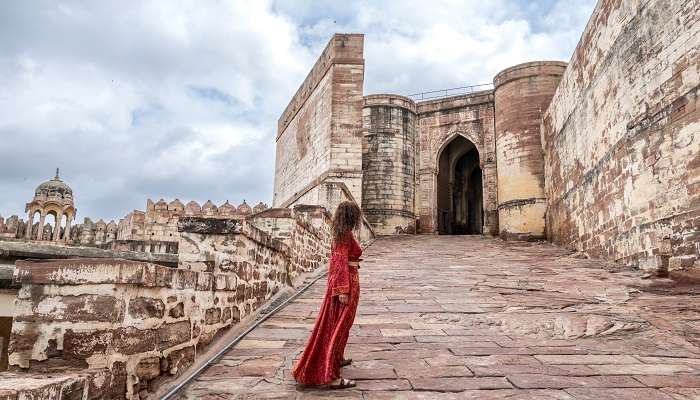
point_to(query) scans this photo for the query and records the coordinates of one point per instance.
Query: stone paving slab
(477, 318)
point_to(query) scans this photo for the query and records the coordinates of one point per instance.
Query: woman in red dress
(323, 357)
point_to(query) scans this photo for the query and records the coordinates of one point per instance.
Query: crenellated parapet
(159, 221)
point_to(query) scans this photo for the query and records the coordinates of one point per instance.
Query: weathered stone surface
(82, 345)
(177, 311)
(208, 225)
(148, 368)
(212, 316)
(180, 359)
(145, 307)
(169, 335)
(95, 308)
(131, 340)
(620, 136)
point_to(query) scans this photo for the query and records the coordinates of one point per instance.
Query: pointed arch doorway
(460, 199)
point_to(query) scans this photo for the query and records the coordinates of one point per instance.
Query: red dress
(320, 363)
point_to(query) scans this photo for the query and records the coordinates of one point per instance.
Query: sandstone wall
(320, 131)
(146, 319)
(622, 167)
(522, 94)
(439, 123)
(100, 384)
(142, 322)
(388, 163)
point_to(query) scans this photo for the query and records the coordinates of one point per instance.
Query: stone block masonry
(320, 132)
(136, 323)
(440, 123)
(621, 137)
(388, 163)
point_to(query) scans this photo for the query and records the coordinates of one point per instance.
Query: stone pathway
(472, 318)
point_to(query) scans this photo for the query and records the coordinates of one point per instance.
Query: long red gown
(320, 363)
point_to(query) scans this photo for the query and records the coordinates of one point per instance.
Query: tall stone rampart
(621, 137)
(320, 132)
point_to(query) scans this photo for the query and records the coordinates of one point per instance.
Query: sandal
(343, 384)
(346, 362)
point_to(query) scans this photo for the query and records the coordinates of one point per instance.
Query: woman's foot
(341, 383)
(346, 362)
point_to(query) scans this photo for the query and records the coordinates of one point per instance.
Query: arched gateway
(460, 189)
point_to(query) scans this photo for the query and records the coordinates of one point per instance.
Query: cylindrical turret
(388, 163)
(522, 94)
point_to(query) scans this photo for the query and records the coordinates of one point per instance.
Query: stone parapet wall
(143, 246)
(142, 322)
(622, 164)
(100, 384)
(147, 319)
(22, 249)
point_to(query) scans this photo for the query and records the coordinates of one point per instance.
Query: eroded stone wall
(621, 137)
(144, 322)
(320, 132)
(146, 319)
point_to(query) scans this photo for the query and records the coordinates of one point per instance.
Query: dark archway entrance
(459, 189)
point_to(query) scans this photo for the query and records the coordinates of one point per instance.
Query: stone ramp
(472, 318)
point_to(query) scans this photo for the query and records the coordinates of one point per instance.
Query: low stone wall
(86, 385)
(138, 323)
(143, 246)
(145, 319)
(22, 249)
(305, 229)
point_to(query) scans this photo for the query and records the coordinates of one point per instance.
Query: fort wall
(622, 151)
(320, 132)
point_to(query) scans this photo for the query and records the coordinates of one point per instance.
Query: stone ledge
(34, 249)
(80, 271)
(85, 384)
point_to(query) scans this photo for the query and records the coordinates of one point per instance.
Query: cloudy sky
(180, 99)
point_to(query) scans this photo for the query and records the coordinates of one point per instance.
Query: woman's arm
(340, 270)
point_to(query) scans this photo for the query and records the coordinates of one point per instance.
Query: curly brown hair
(346, 218)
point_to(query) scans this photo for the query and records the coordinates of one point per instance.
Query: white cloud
(181, 99)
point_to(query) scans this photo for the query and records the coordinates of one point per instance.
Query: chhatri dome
(55, 190)
(54, 198)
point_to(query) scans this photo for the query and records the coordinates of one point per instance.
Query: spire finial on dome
(56, 177)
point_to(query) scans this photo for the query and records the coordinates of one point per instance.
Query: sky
(180, 99)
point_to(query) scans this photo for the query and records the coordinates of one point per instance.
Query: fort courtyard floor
(471, 318)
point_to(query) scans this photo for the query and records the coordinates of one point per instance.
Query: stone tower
(389, 163)
(522, 94)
